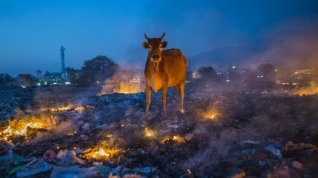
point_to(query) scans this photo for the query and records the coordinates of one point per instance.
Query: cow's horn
(146, 37)
(163, 35)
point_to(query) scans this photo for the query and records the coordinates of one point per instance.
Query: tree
(267, 71)
(96, 70)
(264, 77)
(207, 72)
(73, 75)
(26, 80)
(6, 80)
(267, 75)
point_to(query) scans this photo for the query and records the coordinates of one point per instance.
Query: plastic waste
(5, 153)
(73, 172)
(103, 170)
(49, 155)
(67, 158)
(297, 165)
(145, 170)
(276, 152)
(34, 167)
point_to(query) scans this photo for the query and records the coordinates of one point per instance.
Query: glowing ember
(79, 108)
(129, 87)
(125, 82)
(175, 138)
(19, 127)
(71, 133)
(149, 133)
(101, 153)
(60, 109)
(67, 108)
(312, 89)
(211, 114)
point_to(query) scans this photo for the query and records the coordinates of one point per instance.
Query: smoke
(126, 81)
(291, 45)
(251, 119)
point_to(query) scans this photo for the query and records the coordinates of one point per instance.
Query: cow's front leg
(181, 86)
(164, 97)
(148, 97)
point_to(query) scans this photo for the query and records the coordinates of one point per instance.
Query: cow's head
(155, 46)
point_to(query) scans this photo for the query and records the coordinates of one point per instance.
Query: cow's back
(175, 65)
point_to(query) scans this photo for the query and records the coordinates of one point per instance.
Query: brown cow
(164, 68)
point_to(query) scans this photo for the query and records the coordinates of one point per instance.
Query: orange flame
(19, 127)
(175, 138)
(101, 153)
(312, 89)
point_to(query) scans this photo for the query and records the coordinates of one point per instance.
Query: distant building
(26, 80)
(39, 74)
(62, 51)
(72, 76)
(303, 77)
(52, 78)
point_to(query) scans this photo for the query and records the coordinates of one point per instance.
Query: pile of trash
(13, 98)
(65, 163)
(219, 135)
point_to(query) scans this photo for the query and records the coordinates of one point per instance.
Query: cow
(164, 69)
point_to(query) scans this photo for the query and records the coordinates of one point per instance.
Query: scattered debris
(34, 167)
(220, 135)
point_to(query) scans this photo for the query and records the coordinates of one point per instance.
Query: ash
(222, 133)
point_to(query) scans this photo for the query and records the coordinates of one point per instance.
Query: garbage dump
(226, 134)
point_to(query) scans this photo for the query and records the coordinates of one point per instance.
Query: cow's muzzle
(155, 58)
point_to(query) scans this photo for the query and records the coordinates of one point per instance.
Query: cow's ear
(164, 44)
(145, 45)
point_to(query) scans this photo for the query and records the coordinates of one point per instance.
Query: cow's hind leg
(181, 88)
(178, 96)
(178, 93)
(164, 98)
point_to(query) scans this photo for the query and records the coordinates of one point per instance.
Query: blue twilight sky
(32, 31)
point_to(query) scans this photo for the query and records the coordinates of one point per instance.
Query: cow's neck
(155, 66)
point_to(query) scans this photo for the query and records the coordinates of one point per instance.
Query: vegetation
(96, 70)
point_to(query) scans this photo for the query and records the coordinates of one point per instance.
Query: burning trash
(149, 133)
(173, 138)
(211, 114)
(22, 127)
(130, 87)
(101, 152)
(60, 109)
(312, 89)
(124, 82)
(68, 108)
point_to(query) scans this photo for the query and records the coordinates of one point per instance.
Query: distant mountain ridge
(221, 57)
(290, 49)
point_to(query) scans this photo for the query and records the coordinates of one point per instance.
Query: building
(303, 77)
(26, 80)
(54, 78)
(62, 51)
